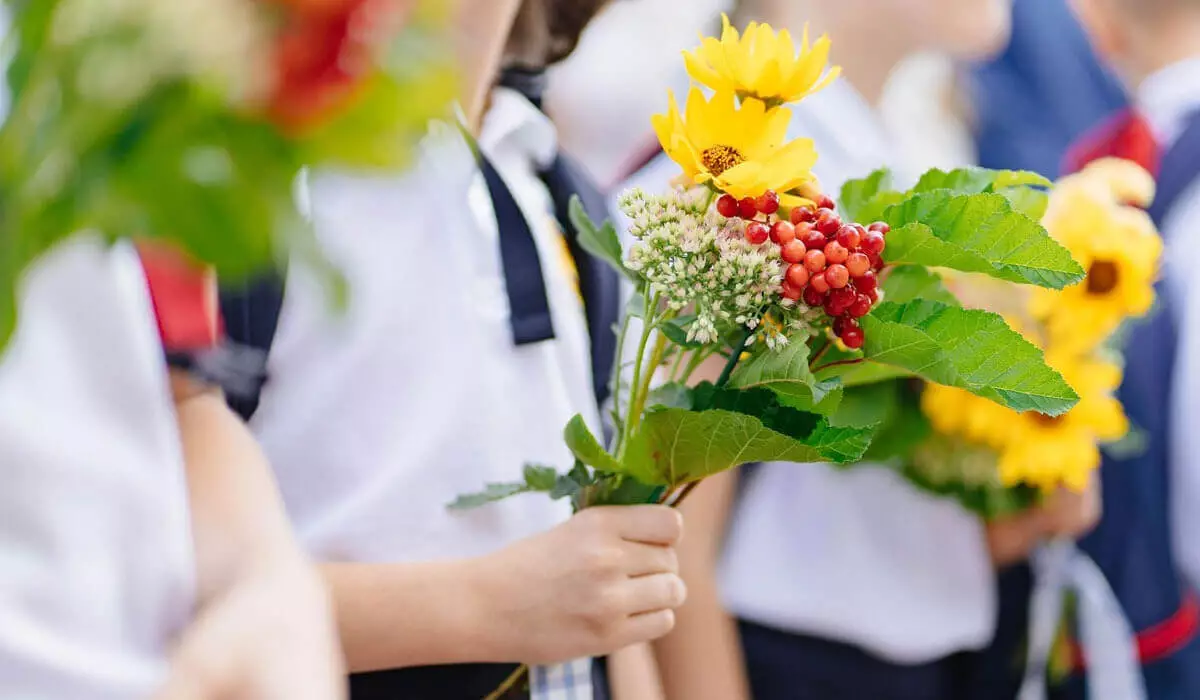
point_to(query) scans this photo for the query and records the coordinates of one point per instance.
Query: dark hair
(547, 31)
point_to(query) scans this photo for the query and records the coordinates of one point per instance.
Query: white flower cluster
(132, 45)
(701, 262)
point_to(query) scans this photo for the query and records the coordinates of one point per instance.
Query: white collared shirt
(1166, 99)
(377, 417)
(855, 555)
(96, 567)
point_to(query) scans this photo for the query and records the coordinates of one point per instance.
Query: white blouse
(379, 415)
(96, 570)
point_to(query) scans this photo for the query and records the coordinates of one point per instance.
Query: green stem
(840, 363)
(820, 353)
(638, 361)
(614, 381)
(643, 390)
(693, 364)
(734, 356)
(674, 374)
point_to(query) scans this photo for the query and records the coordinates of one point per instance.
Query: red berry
(840, 324)
(867, 283)
(876, 262)
(797, 276)
(727, 206)
(812, 297)
(874, 294)
(792, 252)
(858, 264)
(783, 232)
(873, 243)
(819, 283)
(831, 309)
(835, 253)
(853, 338)
(814, 260)
(842, 299)
(826, 202)
(791, 291)
(828, 223)
(747, 208)
(812, 238)
(837, 276)
(802, 214)
(757, 232)
(861, 306)
(768, 202)
(880, 227)
(849, 237)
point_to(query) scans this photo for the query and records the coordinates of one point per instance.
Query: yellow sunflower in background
(953, 411)
(761, 63)
(738, 150)
(1049, 452)
(1116, 244)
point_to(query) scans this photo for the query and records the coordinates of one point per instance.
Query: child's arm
(703, 657)
(264, 627)
(1065, 513)
(603, 580)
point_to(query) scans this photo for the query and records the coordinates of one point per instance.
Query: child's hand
(604, 580)
(1073, 515)
(270, 636)
(1063, 514)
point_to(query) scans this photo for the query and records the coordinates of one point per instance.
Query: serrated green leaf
(786, 372)
(974, 180)
(675, 446)
(670, 395)
(676, 331)
(601, 242)
(587, 448)
(908, 282)
(967, 348)
(540, 478)
(866, 406)
(490, 494)
(1028, 201)
(977, 233)
(857, 195)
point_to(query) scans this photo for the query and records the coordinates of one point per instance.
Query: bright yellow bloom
(1032, 448)
(739, 150)
(761, 63)
(1117, 244)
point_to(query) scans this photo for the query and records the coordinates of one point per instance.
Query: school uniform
(463, 352)
(95, 538)
(849, 583)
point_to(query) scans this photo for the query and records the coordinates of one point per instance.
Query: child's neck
(1167, 43)
(866, 50)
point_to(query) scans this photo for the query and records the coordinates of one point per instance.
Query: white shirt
(855, 555)
(1166, 99)
(377, 417)
(95, 538)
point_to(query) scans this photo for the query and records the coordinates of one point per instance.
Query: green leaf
(857, 195)
(538, 478)
(675, 446)
(601, 242)
(587, 448)
(866, 406)
(786, 372)
(975, 180)
(670, 395)
(1028, 201)
(908, 282)
(676, 331)
(967, 348)
(977, 233)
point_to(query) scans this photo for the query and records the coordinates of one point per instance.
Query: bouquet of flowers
(817, 308)
(188, 120)
(996, 459)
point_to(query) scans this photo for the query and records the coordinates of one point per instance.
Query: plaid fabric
(568, 681)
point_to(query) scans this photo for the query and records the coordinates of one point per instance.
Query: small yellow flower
(738, 150)
(1116, 244)
(761, 63)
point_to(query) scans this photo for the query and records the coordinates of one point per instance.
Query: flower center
(718, 159)
(1102, 277)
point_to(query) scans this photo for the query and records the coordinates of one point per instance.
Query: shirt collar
(513, 123)
(1168, 97)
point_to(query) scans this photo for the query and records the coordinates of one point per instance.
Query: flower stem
(614, 381)
(651, 303)
(820, 353)
(734, 356)
(840, 363)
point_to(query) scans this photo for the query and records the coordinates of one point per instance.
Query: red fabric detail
(1159, 641)
(1127, 135)
(184, 297)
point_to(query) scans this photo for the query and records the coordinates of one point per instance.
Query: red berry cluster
(831, 264)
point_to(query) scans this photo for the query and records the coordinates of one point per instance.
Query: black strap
(251, 314)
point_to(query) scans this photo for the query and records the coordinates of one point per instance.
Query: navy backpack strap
(599, 284)
(251, 313)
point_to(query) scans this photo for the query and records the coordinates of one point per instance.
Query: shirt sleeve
(1182, 233)
(184, 298)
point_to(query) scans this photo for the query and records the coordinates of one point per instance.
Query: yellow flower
(738, 150)
(761, 63)
(1117, 245)
(1042, 451)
